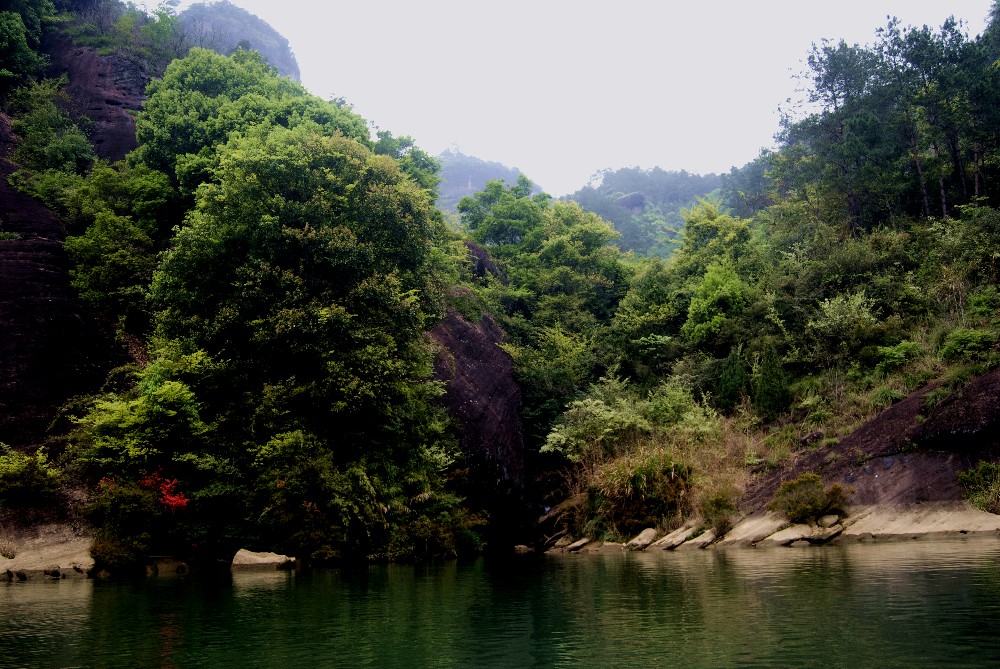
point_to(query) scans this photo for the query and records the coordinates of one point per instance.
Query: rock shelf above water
(863, 524)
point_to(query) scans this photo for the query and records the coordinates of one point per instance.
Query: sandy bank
(45, 551)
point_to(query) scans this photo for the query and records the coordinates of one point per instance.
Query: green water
(920, 604)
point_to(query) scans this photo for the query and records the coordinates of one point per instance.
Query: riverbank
(62, 551)
(47, 551)
(56, 551)
(862, 524)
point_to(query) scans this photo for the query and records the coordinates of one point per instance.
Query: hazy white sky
(564, 88)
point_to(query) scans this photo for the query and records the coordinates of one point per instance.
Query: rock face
(106, 89)
(968, 420)
(52, 346)
(929, 521)
(481, 393)
(906, 454)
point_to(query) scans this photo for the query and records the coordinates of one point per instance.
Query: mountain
(223, 27)
(463, 175)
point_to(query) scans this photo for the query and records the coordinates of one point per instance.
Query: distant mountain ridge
(223, 27)
(463, 176)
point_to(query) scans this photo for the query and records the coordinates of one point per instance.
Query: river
(917, 604)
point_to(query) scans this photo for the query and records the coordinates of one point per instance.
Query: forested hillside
(645, 206)
(223, 27)
(277, 270)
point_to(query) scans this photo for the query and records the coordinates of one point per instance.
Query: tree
(299, 267)
(288, 353)
(503, 217)
(718, 299)
(734, 382)
(203, 98)
(18, 59)
(769, 383)
(413, 160)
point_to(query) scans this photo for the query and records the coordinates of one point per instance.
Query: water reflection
(897, 605)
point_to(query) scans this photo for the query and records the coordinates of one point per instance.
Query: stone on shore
(577, 545)
(753, 529)
(930, 520)
(700, 541)
(642, 540)
(675, 538)
(789, 536)
(245, 560)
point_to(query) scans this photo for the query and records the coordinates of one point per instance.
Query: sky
(564, 88)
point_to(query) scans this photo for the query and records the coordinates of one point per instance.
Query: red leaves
(170, 497)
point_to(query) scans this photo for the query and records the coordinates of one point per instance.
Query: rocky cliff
(53, 347)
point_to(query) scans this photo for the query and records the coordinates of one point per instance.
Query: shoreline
(58, 551)
(871, 524)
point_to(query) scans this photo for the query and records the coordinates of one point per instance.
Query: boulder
(753, 529)
(563, 542)
(675, 538)
(813, 534)
(825, 534)
(700, 541)
(577, 545)
(828, 521)
(787, 536)
(642, 540)
(245, 560)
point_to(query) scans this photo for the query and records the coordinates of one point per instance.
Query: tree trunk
(941, 185)
(956, 160)
(920, 172)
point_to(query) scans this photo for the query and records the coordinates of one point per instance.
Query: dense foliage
(279, 268)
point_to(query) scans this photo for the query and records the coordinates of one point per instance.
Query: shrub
(982, 486)
(894, 357)
(967, 343)
(25, 480)
(883, 397)
(718, 509)
(804, 499)
(133, 519)
(984, 304)
(842, 325)
(639, 490)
